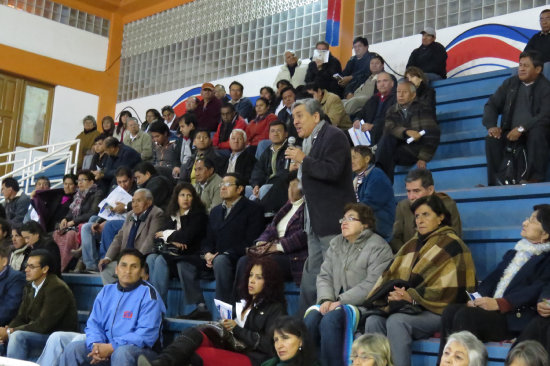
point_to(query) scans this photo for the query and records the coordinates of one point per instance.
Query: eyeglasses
(32, 266)
(347, 219)
(226, 184)
(362, 357)
(82, 180)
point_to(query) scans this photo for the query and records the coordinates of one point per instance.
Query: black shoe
(197, 314)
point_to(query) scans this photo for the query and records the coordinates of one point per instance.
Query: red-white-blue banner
(333, 22)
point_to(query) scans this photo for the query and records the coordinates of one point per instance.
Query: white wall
(46, 37)
(69, 108)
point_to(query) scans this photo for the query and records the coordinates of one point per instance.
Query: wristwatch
(521, 129)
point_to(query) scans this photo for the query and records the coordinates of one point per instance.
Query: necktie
(133, 232)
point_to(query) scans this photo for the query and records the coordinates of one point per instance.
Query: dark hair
(531, 352)
(535, 56)
(189, 118)
(313, 86)
(239, 181)
(363, 40)
(43, 177)
(111, 142)
(120, 124)
(424, 175)
(266, 102)
(88, 173)
(364, 151)
(292, 176)
(167, 108)
(235, 82)
(124, 171)
(273, 290)
(543, 216)
(145, 167)
(208, 162)
(378, 57)
(323, 43)
(202, 130)
(278, 122)
(301, 92)
(366, 214)
(283, 81)
(71, 176)
(136, 253)
(270, 90)
(284, 90)
(45, 258)
(32, 227)
(5, 252)
(306, 356)
(228, 105)
(196, 203)
(6, 227)
(11, 182)
(157, 114)
(159, 127)
(100, 137)
(110, 131)
(416, 71)
(437, 206)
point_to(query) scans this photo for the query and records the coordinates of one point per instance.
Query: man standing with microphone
(326, 177)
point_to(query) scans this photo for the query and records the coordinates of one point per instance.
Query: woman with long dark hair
(292, 344)
(36, 238)
(185, 228)
(152, 115)
(121, 126)
(262, 305)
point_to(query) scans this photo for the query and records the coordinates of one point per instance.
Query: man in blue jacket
(11, 288)
(126, 320)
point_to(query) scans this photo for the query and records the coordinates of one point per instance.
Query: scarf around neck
(524, 251)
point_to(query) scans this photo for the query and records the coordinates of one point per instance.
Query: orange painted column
(109, 90)
(347, 24)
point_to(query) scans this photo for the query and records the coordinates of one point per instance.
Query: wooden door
(10, 102)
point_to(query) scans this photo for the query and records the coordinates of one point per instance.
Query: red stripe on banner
(480, 47)
(333, 10)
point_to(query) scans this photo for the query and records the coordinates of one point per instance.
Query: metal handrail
(32, 165)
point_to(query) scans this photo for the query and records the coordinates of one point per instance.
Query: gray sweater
(349, 271)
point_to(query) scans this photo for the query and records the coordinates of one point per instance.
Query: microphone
(291, 142)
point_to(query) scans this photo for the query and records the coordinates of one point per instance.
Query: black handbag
(221, 337)
(513, 167)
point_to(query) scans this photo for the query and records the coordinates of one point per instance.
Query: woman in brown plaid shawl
(430, 271)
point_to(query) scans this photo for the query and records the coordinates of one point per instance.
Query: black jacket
(88, 207)
(503, 102)
(235, 233)
(244, 165)
(255, 333)
(370, 114)
(218, 160)
(540, 42)
(426, 94)
(126, 156)
(524, 289)
(324, 76)
(327, 180)
(48, 244)
(431, 58)
(161, 188)
(262, 170)
(192, 231)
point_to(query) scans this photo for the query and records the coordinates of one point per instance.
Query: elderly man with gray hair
(138, 231)
(411, 132)
(326, 177)
(293, 70)
(138, 139)
(241, 160)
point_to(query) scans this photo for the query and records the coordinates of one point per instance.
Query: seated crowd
(253, 196)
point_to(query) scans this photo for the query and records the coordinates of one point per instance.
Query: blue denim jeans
(55, 346)
(26, 346)
(76, 353)
(90, 256)
(159, 274)
(110, 229)
(327, 332)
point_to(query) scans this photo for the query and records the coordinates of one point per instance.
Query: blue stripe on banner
(333, 32)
